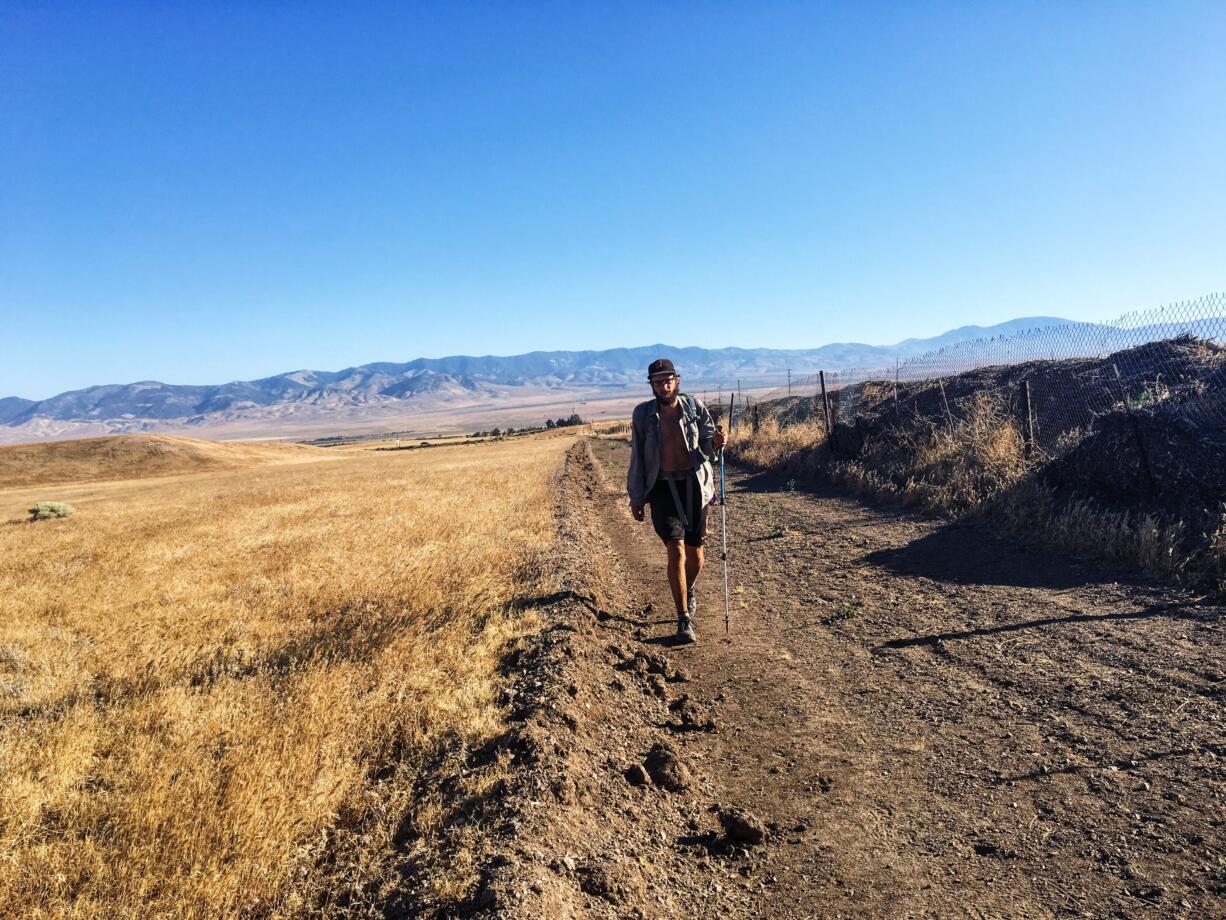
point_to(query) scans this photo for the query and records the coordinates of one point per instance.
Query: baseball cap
(660, 366)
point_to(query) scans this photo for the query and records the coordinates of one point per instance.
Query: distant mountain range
(458, 380)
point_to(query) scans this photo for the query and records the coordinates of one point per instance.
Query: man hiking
(672, 443)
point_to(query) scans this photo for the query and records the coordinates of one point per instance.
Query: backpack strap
(690, 404)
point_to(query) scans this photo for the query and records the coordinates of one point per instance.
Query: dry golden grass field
(206, 680)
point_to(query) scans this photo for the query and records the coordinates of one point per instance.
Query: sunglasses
(654, 380)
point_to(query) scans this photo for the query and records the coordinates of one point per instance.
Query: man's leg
(676, 562)
(693, 565)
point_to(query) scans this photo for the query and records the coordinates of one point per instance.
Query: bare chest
(673, 452)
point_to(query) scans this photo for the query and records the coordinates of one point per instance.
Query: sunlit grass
(201, 678)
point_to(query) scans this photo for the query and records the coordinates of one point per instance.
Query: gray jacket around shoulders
(698, 428)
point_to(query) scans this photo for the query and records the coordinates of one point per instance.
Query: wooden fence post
(949, 416)
(821, 376)
(897, 408)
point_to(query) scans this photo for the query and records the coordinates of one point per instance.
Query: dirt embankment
(909, 718)
(1127, 456)
(1182, 377)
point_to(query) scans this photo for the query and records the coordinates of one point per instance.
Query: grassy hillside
(135, 457)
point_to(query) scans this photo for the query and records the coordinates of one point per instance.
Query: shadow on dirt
(665, 641)
(970, 554)
(1171, 611)
(777, 535)
(713, 843)
(767, 482)
(632, 621)
(1119, 766)
(773, 483)
(544, 600)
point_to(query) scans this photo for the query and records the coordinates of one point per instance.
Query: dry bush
(1081, 526)
(43, 511)
(1217, 559)
(788, 448)
(218, 690)
(952, 468)
(976, 464)
(945, 468)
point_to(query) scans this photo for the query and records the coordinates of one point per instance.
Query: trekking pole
(723, 535)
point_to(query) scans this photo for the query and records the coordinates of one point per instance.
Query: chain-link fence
(1060, 376)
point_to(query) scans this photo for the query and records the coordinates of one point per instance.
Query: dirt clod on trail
(689, 716)
(665, 768)
(617, 885)
(742, 826)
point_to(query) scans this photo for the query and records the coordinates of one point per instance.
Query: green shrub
(44, 510)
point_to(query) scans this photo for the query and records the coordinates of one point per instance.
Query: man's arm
(710, 435)
(636, 485)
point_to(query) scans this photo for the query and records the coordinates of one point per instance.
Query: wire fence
(1171, 357)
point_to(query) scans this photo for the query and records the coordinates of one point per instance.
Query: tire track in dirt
(935, 722)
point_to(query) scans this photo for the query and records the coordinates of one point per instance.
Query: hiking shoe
(685, 629)
(691, 605)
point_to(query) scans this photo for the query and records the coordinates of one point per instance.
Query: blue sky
(204, 192)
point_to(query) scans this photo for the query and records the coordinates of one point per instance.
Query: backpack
(690, 405)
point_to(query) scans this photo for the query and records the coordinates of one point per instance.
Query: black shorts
(664, 514)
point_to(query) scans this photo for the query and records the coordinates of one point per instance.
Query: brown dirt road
(928, 720)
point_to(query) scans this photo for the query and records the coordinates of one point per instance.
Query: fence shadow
(970, 553)
(1171, 611)
(1131, 763)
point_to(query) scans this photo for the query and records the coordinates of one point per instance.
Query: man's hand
(637, 511)
(717, 439)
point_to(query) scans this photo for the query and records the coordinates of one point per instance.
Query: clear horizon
(231, 192)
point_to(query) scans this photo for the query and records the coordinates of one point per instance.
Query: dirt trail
(924, 720)
(934, 722)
